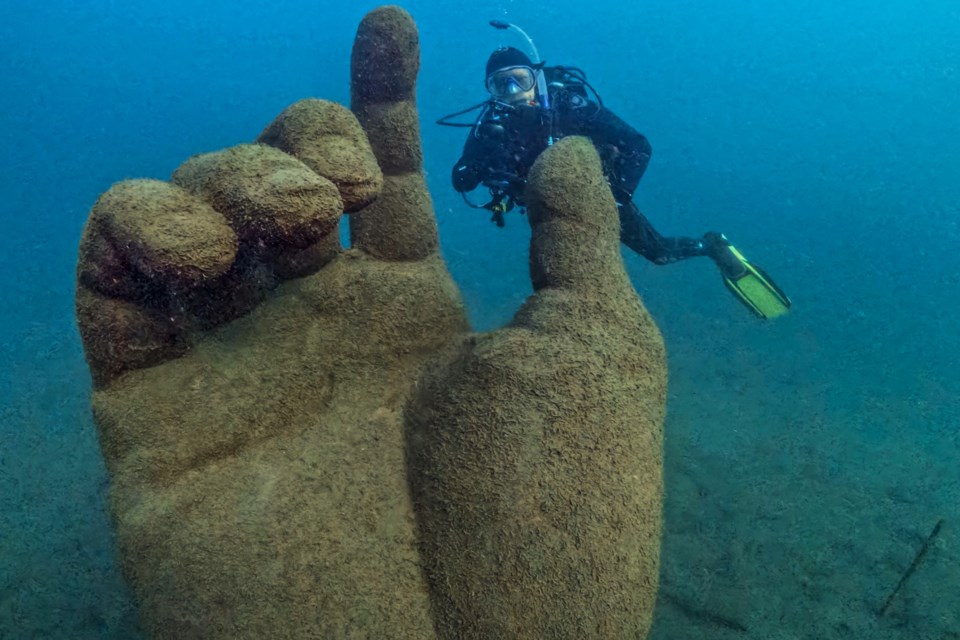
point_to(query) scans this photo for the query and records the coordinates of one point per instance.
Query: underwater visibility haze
(810, 486)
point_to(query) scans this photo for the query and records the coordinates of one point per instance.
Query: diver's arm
(467, 173)
(626, 153)
(624, 150)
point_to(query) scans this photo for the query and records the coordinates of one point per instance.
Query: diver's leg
(637, 233)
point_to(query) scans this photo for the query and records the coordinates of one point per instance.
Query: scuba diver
(531, 106)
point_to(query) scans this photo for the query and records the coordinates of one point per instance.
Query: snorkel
(541, 78)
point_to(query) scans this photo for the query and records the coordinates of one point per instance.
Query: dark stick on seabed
(913, 566)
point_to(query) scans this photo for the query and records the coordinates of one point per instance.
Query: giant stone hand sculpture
(307, 442)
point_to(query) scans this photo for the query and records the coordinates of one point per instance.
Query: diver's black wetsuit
(506, 140)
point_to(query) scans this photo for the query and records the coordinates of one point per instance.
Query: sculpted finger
(147, 231)
(143, 240)
(575, 262)
(327, 137)
(399, 225)
(272, 200)
(535, 451)
(284, 213)
(576, 232)
(159, 262)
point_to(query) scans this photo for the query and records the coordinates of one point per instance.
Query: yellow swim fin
(748, 282)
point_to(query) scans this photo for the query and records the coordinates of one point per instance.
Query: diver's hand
(281, 464)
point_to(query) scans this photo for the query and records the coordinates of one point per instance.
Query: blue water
(806, 458)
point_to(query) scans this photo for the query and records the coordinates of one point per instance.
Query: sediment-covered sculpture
(306, 441)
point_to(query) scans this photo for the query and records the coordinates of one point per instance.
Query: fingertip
(271, 199)
(575, 228)
(400, 225)
(160, 230)
(328, 138)
(385, 58)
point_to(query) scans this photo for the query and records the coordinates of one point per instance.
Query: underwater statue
(306, 441)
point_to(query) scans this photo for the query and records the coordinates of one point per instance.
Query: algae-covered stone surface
(308, 441)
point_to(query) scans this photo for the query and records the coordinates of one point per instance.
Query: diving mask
(507, 82)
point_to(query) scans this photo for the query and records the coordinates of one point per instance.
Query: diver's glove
(746, 281)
